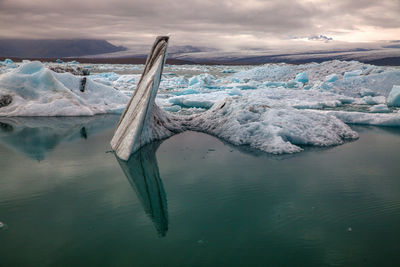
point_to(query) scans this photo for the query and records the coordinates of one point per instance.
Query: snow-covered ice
(276, 108)
(38, 91)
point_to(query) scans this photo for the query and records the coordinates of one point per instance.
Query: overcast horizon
(227, 24)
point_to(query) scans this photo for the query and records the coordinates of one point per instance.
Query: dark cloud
(204, 22)
(320, 38)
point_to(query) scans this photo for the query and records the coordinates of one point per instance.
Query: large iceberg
(35, 90)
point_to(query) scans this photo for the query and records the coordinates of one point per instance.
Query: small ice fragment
(331, 78)
(382, 108)
(367, 92)
(275, 84)
(393, 99)
(349, 229)
(301, 77)
(354, 73)
(228, 71)
(1, 224)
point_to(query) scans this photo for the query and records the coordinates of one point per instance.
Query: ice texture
(331, 78)
(393, 99)
(249, 121)
(38, 91)
(301, 77)
(271, 107)
(381, 108)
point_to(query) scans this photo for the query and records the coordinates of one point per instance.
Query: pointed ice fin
(128, 138)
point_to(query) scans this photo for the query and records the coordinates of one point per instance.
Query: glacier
(277, 108)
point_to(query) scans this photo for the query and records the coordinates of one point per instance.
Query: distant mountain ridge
(27, 48)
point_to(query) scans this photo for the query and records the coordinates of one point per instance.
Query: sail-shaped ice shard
(142, 121)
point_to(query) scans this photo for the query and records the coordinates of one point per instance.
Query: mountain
(28, 48)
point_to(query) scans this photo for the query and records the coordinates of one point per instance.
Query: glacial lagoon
(193, 200)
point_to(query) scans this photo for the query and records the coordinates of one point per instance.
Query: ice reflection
(142, 172)
(36, 136)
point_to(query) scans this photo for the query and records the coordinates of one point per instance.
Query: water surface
(193, 200)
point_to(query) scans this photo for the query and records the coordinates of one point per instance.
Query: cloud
(224, 23)
(320, 38)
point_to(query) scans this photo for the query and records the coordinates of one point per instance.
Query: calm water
(192, 200)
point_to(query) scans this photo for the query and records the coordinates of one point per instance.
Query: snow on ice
(276, 108)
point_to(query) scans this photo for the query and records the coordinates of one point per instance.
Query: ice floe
(37, 91)
(394, 96)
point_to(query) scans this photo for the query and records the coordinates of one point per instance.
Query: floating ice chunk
(246, 87)
(275, 84)
(331, 78)
(59, 61)
(353, 73)
(294, 84)
(174, 82)
(371, 100)
(9, 63)
(393, 99)
(381, 108)
(228, 71)
(388, 119)
(234, 92)
(302, 77)
(203, 79)
(38, 91)
(367, 92)
(326, 86)
(187, 92)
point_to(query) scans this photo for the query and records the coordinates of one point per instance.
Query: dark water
(193, 200)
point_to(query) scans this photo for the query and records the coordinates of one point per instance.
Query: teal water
(193, 200)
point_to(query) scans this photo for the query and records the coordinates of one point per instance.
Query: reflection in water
(36, 136)
(142, 172)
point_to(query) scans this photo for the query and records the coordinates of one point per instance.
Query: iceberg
(302, 77)
(331, 78)
(351, 74)
(143, 121)
(393, 99)
(37, 91)
(381, 108)
(248, 121)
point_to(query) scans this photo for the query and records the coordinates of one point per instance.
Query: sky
(228, 24)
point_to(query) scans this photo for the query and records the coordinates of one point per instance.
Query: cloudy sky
(227, 24)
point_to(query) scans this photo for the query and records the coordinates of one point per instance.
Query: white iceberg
(393, 99)
(38, 91)
(381, 108)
